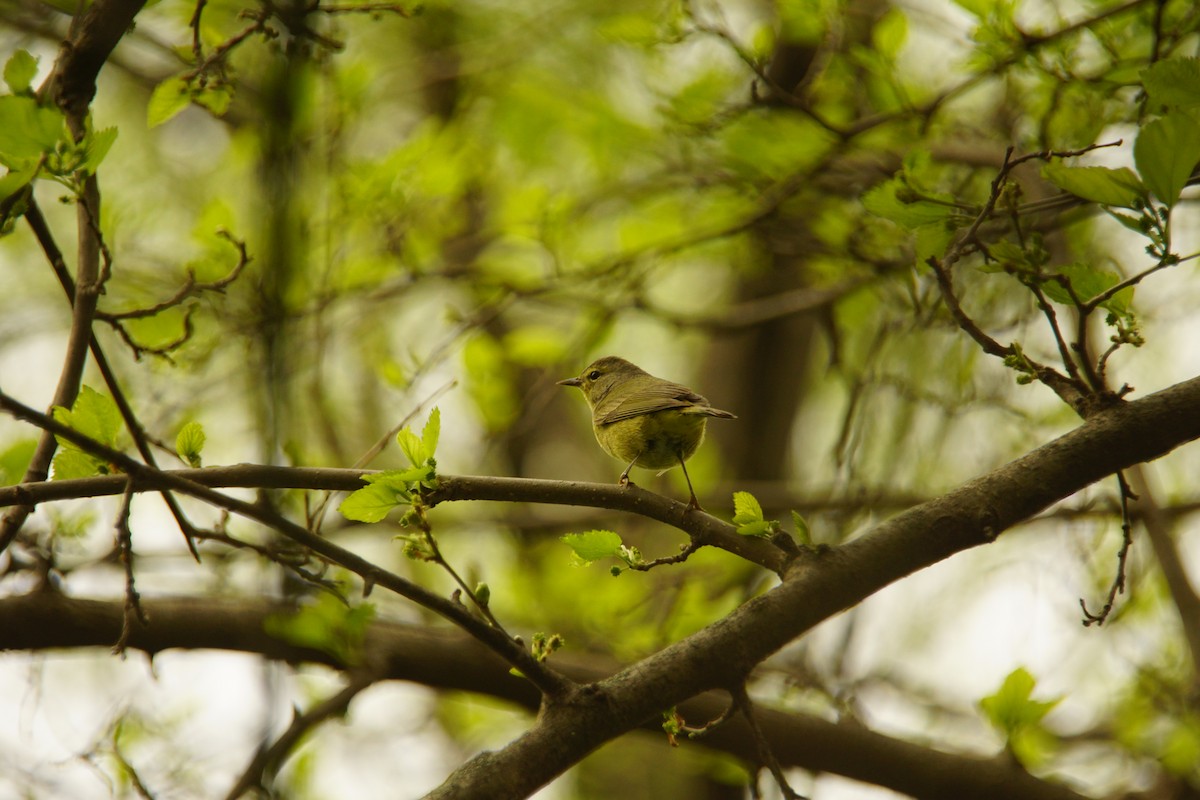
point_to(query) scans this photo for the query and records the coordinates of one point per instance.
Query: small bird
(643, 420)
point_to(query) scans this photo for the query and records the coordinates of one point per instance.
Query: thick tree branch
(816, 586)
(819, 586)
(446, 659)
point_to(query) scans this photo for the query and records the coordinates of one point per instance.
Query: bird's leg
(624, 479)
(693, 503)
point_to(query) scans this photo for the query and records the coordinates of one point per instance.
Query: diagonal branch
(820, 585)
(549, 681)
(72, 83)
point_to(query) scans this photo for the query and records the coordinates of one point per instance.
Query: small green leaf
(931, 240)
(215, 98)
(803, 534)
(19, 71)
(372, 503)
(96, 415)
(885, 201)
(1008, 257)
(746, 509)
(16, 180)
(96, 146)
(1166, 152)
(594, 545)
(430, 433)
(27, 130)
(1012, 707)
(15, 461)
(1014, 713)
(168, 99)
(760, 527)
(189, 442)
(1110, 187)
(1087, 282)
(399, 479)
(410, 443)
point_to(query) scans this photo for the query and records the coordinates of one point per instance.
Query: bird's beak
(571, 382)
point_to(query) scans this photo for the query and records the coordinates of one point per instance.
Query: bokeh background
(460, 206)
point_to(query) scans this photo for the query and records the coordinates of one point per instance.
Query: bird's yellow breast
(657, 441)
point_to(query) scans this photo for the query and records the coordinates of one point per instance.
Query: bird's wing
(659, 396)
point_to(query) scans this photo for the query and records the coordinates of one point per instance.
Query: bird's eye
(593, 375)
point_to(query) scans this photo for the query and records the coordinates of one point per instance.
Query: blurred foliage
(743, 197)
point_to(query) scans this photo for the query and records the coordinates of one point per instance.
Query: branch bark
(445, 659)
(819, 586)
(815, 585)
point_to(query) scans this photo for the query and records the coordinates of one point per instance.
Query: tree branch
(446, 659)
(817, 587)
(553, 684)
(701, 527)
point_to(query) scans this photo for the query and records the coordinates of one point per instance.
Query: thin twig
(766, 755)
(45, 237)
(133, 605)
(684, 553)
(549, 681)
(261, 770)
(1118, 583)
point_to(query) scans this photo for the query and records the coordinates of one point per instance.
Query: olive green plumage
(642, 420)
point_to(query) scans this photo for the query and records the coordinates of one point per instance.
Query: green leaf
(1166, 152)
(215, 98)
(746, 509)
(1175, 82)
(96, 415)
(430, 433)
(19, 71)
(594, 545)
(803, 534)
(373, 502)
(1013, 711)
(410, 443)
(15, 460)
(1012, 707)
(931, 240)
(16, 180)
(884, 201)
(27, 130)
(96, 146)
(168, 99)
(189, 442)
(399, 479)
(1008, 257)
(1087, 282)
(71, 462)
(761, 527)
(1110, 187)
